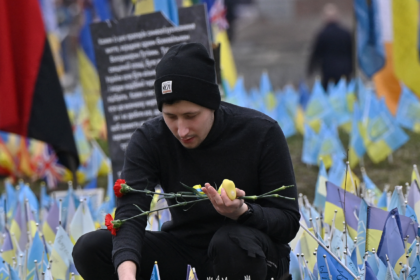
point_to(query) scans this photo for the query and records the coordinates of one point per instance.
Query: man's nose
(182, 129)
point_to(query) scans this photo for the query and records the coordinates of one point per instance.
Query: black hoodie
(243, 145)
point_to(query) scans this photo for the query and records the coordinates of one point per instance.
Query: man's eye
(190, 116)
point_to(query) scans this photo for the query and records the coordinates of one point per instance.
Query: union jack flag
(218, 15)
(49, 168)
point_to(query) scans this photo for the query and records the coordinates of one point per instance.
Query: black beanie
(186, 72)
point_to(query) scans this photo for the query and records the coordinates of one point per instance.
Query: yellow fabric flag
(144, 7)
(55, 44)
(91, 93)
(405, 14)
(227, 63)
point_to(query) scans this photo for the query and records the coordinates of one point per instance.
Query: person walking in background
(332, 50)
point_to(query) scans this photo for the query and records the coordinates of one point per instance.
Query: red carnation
(112, 225)
(120, 188)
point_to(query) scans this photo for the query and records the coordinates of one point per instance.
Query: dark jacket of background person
(243, 145)
(332, 54)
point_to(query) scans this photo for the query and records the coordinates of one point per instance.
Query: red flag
(32, 102)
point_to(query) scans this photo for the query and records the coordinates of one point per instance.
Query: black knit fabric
(191, 76)
(243, 145)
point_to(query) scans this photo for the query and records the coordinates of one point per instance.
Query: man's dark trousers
(234, 252)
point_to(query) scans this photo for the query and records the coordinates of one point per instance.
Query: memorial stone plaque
(127, 52)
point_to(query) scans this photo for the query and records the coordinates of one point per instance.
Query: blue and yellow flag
(336, 199)
(408, 110)
(8, 248)
(356, 146)
(379, 131)
(36, 252)
(375, 224)
(331, 146)
(334, 268)
(311, 146)
(321, 187)
(318, 109)
(413, 198)
(392, 241)
(370, 49)
(361, 232)
(283, 118)
(339, 103)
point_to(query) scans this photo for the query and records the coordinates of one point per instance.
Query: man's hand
(127, 271)
(222, 203)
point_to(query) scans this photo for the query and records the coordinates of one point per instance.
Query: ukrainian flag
(8, 248)
(335, 201)
(356, 146)
(413, 198)
(61, 255)
(408, 111)
(392, 243)
(338, 103)
(318, 108)
(49, 228)
(379, 131)
(375, 224)
(321, 188)
(330, 145)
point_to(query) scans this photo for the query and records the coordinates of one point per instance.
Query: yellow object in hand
(229, 187)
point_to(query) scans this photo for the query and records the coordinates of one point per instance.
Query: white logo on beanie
(166, 87)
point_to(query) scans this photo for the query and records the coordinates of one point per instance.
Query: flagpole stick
(328, 268)
(5, 212)
(300, 266)
(306, 265)
(7, 266)
(59, 211)
(328, 250)
(36, 269)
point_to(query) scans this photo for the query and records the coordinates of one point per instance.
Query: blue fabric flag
(155, 273)
(318, 107)
(92, 184)
(361, 232)
(371, 53)
(336, 269)
(294, 267)
(291, 99)
(304, 95)
(285, 121)
(337, 171)
(311, 146)
(408, 111)
(169, 9)
(370, 275)
(321, 188)
(409, 212)
(415, 270)
(392, 241)
(338, 101)
(331, 146)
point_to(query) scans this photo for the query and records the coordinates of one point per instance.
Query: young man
(200, 139)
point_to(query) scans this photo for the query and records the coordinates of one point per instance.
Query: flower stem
(175, 205)
(253, 197)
